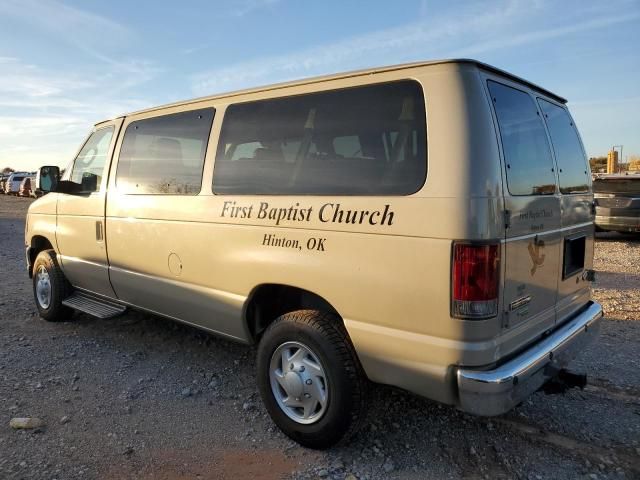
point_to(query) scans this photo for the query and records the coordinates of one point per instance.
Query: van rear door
(532, 204)
(577, 232)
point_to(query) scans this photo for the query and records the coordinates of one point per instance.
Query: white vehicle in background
(26, 186)
(12, 186)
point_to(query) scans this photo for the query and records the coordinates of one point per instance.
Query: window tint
(360, 141)
(88, 166)
(570, 157)
(524, 142)
(165, 155)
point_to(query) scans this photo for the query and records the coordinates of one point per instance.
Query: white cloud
(24, 85)
(18, 79)
(38, 126)
(45, 114)
(97, 36)
(85, 30)
(546, 34)
(420, 39)
(478, 29)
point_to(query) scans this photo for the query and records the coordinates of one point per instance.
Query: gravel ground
(141, 397)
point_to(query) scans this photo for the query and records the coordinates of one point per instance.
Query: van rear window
(524, 142)
(367, 140)
(570, 157)
(624, 186)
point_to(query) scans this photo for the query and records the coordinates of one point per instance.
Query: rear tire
(310, 379)
(50, 287)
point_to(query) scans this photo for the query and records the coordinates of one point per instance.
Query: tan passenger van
(428, 226)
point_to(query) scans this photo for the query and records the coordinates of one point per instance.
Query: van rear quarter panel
(390, 281)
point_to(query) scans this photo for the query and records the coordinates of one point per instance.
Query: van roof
(354, 73)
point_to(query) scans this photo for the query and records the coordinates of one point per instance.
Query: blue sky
(65, 65)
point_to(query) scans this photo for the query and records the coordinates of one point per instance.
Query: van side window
(367, 140)
(524, 142)
(88, 166)
(570, 157)
(165, 155)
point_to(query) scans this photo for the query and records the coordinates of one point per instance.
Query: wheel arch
(37, 244)
(268, 301)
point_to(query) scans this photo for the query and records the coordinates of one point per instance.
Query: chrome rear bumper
(493, 392)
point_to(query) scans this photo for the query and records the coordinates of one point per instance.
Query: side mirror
(47, 179)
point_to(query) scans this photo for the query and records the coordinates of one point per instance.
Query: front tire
(310, 379)
(50, 287)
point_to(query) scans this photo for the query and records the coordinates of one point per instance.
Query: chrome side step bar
(92, 305)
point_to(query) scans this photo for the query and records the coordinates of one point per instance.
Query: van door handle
(99, 232)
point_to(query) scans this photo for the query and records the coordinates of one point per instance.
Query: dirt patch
(14, 207)
(209, 465)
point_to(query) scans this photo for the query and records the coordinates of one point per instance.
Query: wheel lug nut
(302, 368)
(306, 395)
(291, 367)
(308, 382)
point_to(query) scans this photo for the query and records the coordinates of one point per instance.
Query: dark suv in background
(617, 200)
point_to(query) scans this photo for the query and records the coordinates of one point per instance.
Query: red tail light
(475, 276)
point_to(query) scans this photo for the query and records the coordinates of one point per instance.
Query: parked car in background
(617, 201)
(13, 182)
(26, 186)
